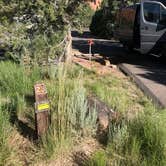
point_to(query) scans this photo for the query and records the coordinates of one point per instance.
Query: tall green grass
(133, 140)
(141, 142)
(119, 93)
(8, 155)
(15, 79)
(70, 116)
(16, 82)
(138, 141)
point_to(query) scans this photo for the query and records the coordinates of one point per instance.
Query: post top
(40, 88)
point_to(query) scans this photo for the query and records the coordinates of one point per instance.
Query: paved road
(148, 72)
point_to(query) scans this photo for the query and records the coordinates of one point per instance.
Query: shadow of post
(23, 127)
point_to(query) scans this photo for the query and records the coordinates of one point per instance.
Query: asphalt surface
(148, 72)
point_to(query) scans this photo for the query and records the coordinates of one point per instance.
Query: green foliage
(70, 117)
(132, 140)
(99, 158)
(15, 79)
(5, 129)
(8, 155)
(100, 25)
(104, 19)
(37, 28)
(16, 84)
(115, 92)
(140, 142)
(82, 17)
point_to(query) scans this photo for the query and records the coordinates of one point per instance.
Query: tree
(38, 28)
(104, 19)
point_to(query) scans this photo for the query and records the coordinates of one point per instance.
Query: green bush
(38, 29)
(101, 24)
(104, 20)
(82, 17)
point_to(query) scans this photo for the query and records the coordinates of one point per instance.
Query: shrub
(37, 28)
(104, 20)
(101, 25)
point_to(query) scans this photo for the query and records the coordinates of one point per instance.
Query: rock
(107, 63)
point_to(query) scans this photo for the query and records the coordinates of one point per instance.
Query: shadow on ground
(23, 125)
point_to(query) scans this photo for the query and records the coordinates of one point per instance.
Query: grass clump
(15, 79)
(16, 84)
(8, 154)
(140, 142)
(71, 119)
(118, 92)
(139, 136)
(99, 158)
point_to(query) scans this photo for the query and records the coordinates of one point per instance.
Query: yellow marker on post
(43, 106)
(42, 109)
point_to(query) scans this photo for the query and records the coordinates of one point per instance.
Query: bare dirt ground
(97, 63)
(78, 156)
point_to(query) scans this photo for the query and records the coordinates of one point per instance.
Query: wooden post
(42, 109)
(90, 43)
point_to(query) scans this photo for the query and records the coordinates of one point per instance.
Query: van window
(152, 12)
(163, 16)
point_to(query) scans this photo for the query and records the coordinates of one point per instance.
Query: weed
(99, 158)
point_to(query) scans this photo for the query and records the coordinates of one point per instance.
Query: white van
(143, 27)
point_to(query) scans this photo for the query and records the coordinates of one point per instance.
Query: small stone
(107, 63)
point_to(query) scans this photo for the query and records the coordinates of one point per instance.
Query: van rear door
(153, 24)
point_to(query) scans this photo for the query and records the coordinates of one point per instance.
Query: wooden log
(42, 110)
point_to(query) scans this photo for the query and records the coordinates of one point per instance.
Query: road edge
(143, 87)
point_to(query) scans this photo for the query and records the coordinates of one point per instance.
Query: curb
(149, 93)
